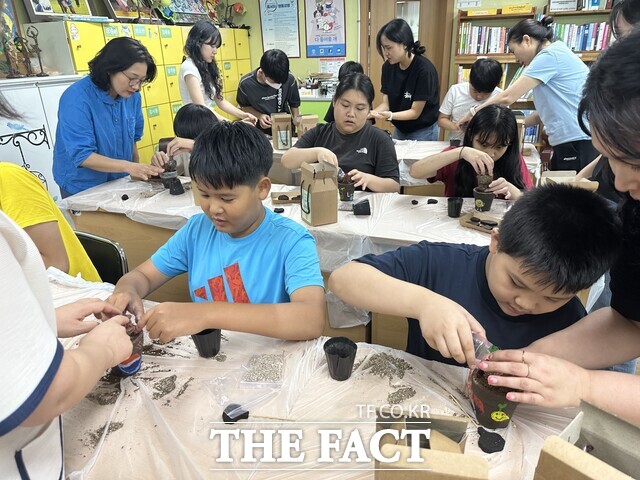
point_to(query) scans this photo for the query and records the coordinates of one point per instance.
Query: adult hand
(447, 327)
(128, 301)
(464, 120)
(361, 179)
(543, 380)
(112, 335)
(480, 161)
(264, 120)
(250, 119)
(70, 317)
(327, 156)
(141, 171)
(501, 187)
(169, 320)
(179, 145)
(159, 159)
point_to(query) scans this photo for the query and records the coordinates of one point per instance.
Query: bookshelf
(484, 36)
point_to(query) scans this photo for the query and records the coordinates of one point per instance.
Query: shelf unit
(506, 59)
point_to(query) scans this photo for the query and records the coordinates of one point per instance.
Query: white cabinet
(29, 142)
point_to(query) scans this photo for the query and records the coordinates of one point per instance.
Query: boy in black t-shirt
(555, 241)
(270, 89)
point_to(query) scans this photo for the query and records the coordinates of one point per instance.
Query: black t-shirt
(417, 83)
(265, 99)
(625, 273)
(369, 150)
(457, 271)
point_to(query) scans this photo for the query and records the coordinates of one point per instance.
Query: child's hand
(250, 119)
(112, 335)
(327, 156)
(265, 120)
(464, 120)
(169, 320)
(545, 380)
(501, 187)
(127, 301)
(179, 145)
(361, 179)
(70, 317)
(481, 162)
(447, 327)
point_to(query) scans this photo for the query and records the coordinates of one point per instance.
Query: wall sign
(280, 29)
(326, 35)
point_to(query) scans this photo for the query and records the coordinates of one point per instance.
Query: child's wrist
(460, 152)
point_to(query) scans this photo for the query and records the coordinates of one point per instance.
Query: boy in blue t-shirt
(250, 270)
(555, 241)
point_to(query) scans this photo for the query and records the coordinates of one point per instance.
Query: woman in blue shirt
(556, 76)
(100, 119)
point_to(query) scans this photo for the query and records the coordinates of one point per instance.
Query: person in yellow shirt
(25, 200)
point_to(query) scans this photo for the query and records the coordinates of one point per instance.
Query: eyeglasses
(135, 82)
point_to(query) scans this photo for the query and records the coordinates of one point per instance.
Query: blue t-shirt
(457, 272)
(266, 266)
(90, 121)
(562, 75)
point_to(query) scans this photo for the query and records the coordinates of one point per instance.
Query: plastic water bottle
(482, 346)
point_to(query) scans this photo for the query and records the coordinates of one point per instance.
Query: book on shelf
(481, 39)
(587, 37)
(527, 96)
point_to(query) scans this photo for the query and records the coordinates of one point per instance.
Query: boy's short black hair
(230, 154)
(347, 68)
(192, 119)
(485, 75)
(275, 65)
(566, 236)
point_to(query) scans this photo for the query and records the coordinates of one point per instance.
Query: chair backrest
(107, 256)
(435, 189)
(163, 143)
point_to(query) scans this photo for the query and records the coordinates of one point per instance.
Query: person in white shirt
(200, 81)
(484, 77)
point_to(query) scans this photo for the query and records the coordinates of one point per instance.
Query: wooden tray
(465, 221)
(292, 197)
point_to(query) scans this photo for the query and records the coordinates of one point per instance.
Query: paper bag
(307, 122)
(281, 130)
(319, 192)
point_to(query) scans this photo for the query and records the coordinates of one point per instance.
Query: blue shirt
(90, 121)
(458, 272)
(266, 266)
(562, 75)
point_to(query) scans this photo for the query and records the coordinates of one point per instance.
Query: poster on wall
(326, 36)
(43, 10)
(279, 21)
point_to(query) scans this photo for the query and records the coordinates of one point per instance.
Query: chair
(107, 256)
(435, 189)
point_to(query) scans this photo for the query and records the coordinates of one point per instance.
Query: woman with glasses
(100, 119)
(200, 80)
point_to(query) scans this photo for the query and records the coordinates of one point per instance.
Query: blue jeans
(427, 134)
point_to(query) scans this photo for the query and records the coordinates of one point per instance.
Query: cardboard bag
(307, 122)
(281, 130)
(319, 192)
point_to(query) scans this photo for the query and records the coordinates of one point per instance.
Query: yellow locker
(85, 40)
(171, 44)
(171, 72)
(242, 44)
(150, 38)
(185, 33)
(145, 141)
(156, 92)
(146, 153)
(231, 97)
(244, 67)
(227, 50)
(174, 109)
(160, 124)
(229, 76)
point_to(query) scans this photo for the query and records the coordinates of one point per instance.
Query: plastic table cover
(158, 423)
